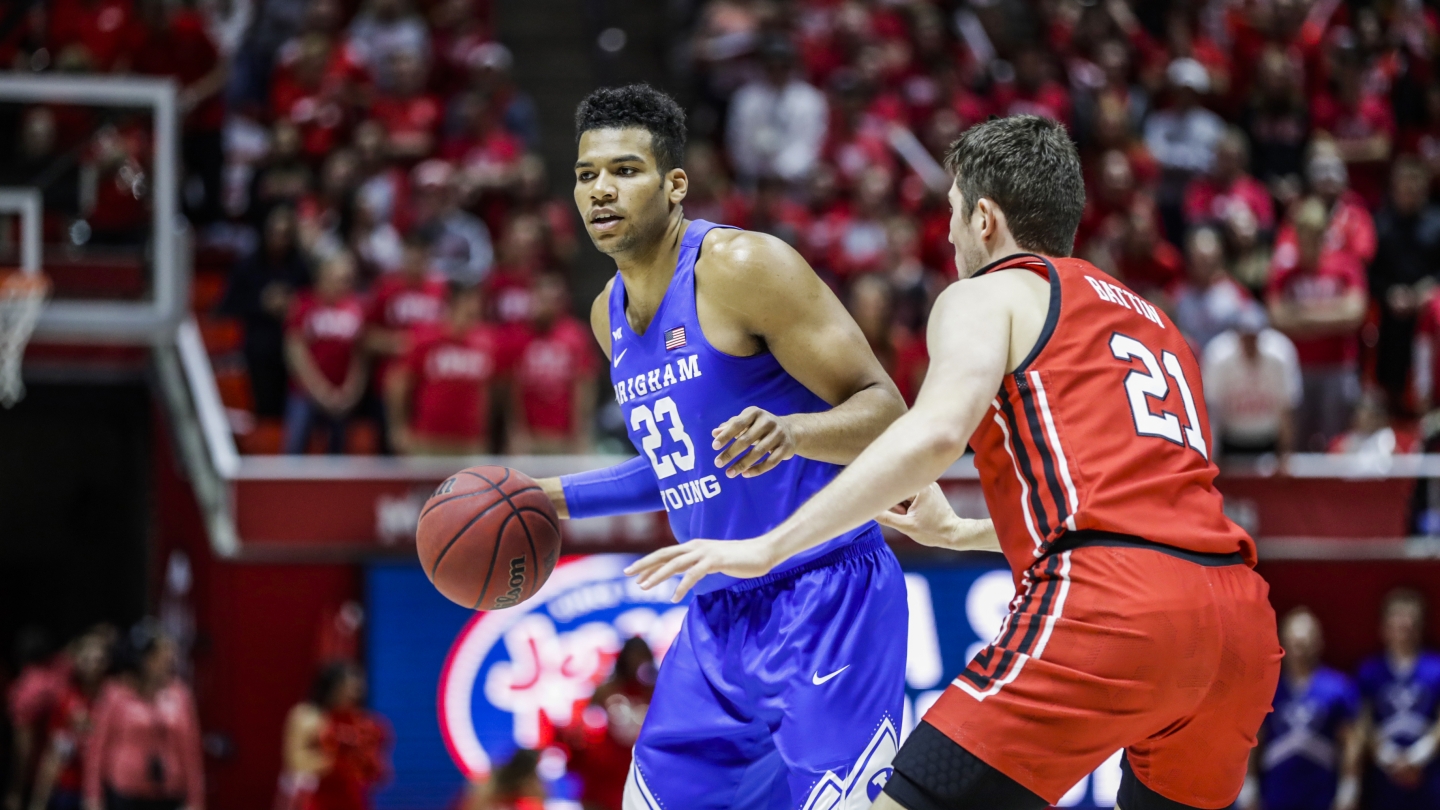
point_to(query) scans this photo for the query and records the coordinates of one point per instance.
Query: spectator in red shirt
(334, 750)
(1033, 91)
(509, 291)
(327, 369)
(603, 733)
(487, 154)
(1350, 229)
(403, 301)
(1320, 302)
(1147, 262)
(102, 29)
(1214, 197)
(59, 780)
(1360, 120)
(29, 700)
(871, 304)
(1108, 201)
(409, 113)
(553, 377)
(438, 400)
(144, 747)
(303, 95)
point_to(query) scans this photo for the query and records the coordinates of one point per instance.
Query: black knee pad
(933, 772)
(1134, 795)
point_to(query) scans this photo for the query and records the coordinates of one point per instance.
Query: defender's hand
(927, 518)
(695, 559)
(760, 431)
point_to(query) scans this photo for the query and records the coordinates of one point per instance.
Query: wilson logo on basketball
(445, 488)
(517, 582)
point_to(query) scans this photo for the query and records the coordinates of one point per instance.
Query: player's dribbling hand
(762, 433)
(695, 559)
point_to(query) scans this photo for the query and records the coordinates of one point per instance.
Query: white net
(22, 296)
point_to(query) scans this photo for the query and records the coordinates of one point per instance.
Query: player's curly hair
(637, 106)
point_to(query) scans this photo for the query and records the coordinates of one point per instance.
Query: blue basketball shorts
(781, 692)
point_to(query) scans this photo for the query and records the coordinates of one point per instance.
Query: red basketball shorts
(1106, 648)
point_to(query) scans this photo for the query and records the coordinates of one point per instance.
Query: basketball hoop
(22, 296)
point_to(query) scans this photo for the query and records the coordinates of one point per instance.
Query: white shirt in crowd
(1184, 140)
(777, 131)
(1248, 398)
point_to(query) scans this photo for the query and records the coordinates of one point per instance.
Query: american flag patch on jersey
(674, 338)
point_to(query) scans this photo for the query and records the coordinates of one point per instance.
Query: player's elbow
(889, 404)
(940, 437)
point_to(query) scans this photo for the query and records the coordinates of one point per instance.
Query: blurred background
(308, 257)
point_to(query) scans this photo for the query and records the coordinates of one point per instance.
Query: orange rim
(15, 282)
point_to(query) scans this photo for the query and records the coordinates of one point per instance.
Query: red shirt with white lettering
(404, 303)
(451, 374)
(329, 330)
(1336, 274)
(546, 370)
(407, 115)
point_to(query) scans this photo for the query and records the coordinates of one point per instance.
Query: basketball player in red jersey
(1138, 622)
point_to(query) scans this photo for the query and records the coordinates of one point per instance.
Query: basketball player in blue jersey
(1401, 692)
(744, 385)
(1311, 745)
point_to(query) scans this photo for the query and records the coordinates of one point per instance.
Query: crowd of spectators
(1261, 170)
(1346, 742)
(104, 724)
(372, 166)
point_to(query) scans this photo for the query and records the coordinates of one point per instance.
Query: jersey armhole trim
(1052, 316)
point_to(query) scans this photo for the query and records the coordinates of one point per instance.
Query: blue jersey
(1299, 763)
(674, 388)
(1405, 708)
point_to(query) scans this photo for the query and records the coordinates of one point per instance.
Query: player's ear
(677, 185)
(990, 218)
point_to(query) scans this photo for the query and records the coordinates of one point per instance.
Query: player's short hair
(637, 106)
(1028, 166)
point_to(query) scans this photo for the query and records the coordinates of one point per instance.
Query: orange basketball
(488, 538)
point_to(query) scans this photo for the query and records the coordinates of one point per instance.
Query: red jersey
(1206, 201)
(68, 731)
(546, 370)
(330, 331)
(399, 303)
(452, 376)
(1336, 275)
(1102, 428)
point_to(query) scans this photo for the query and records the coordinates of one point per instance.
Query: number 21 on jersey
(1142, 386)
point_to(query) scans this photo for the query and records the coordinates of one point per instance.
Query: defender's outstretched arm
(969, 339)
